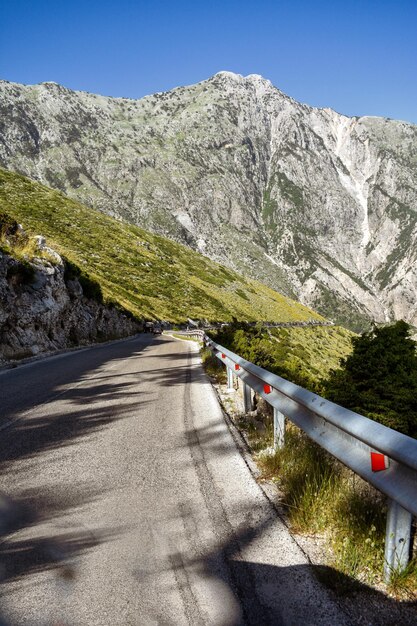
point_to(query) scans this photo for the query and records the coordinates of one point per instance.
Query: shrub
(212, 365)
(324, 497)
(379, 378)
(9, 229)
(254, 344)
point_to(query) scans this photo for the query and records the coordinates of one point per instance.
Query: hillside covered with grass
(149, 275)
(304, 355)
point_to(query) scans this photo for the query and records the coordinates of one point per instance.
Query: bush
(9, 229)
(379, 378)
(212, 365)
(323, 497)
(254, 344)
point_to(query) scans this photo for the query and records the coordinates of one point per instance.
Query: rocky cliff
(43, 310)
(318, 205)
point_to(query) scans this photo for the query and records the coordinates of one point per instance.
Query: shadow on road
(266, 592)
(36, 533)
(28, 437)
(30, 520)
(25, 387)
(209, 437)
(270, 595)
(22, 554)
(173, 376)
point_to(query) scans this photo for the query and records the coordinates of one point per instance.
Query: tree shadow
(43, 380)
(32, 508)
(33, 436)
(35, 531)
(173, 377)
(270, 594)
(211, 437)
(273, 595)
(28, 437)
(29, 556)
(36, 534)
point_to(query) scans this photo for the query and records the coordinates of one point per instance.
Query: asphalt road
(126, 502)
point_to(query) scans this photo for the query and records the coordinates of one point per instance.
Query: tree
(379, 378)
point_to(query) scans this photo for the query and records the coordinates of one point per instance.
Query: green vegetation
(269, 207)
(327, 499)
(15, 242)
(213, 366)
(406, 218)
(10, 234)
(379, 378)
(395, 257)
(322, 496)
(342, 311)
(149, 275)
(305, 355)
(289, 190)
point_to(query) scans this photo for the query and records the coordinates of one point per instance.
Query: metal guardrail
(348, 436)
(197, 334)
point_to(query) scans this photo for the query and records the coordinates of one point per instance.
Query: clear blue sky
(358, 57)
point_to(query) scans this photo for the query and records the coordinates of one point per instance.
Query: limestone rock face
(39, 312)
(318, 205)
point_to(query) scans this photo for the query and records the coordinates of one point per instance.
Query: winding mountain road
(126, 502)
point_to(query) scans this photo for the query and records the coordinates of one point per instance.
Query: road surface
(126, 502)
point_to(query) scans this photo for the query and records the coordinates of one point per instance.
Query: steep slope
(43, 309)
(149, 275)
(316, 204)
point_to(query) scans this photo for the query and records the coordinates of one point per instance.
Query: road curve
(126, 502)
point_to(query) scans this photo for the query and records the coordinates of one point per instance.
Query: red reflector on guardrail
(379, 461)
(223, 356)
(267, 388)
(237, 367)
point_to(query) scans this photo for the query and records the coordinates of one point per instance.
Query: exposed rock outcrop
(40, 311)
(318, 205)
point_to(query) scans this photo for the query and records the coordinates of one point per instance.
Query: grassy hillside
(149, 275)
(303, 355)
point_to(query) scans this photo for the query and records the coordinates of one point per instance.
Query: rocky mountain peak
(250, 78)
(318, 205)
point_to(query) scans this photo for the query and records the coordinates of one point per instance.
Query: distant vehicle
(157, 329)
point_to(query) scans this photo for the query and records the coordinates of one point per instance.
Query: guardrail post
(397, 539)
(247, 397)
(229, 379)
(279, 429)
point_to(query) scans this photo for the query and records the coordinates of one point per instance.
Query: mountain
(319, 206)
(145, 274)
